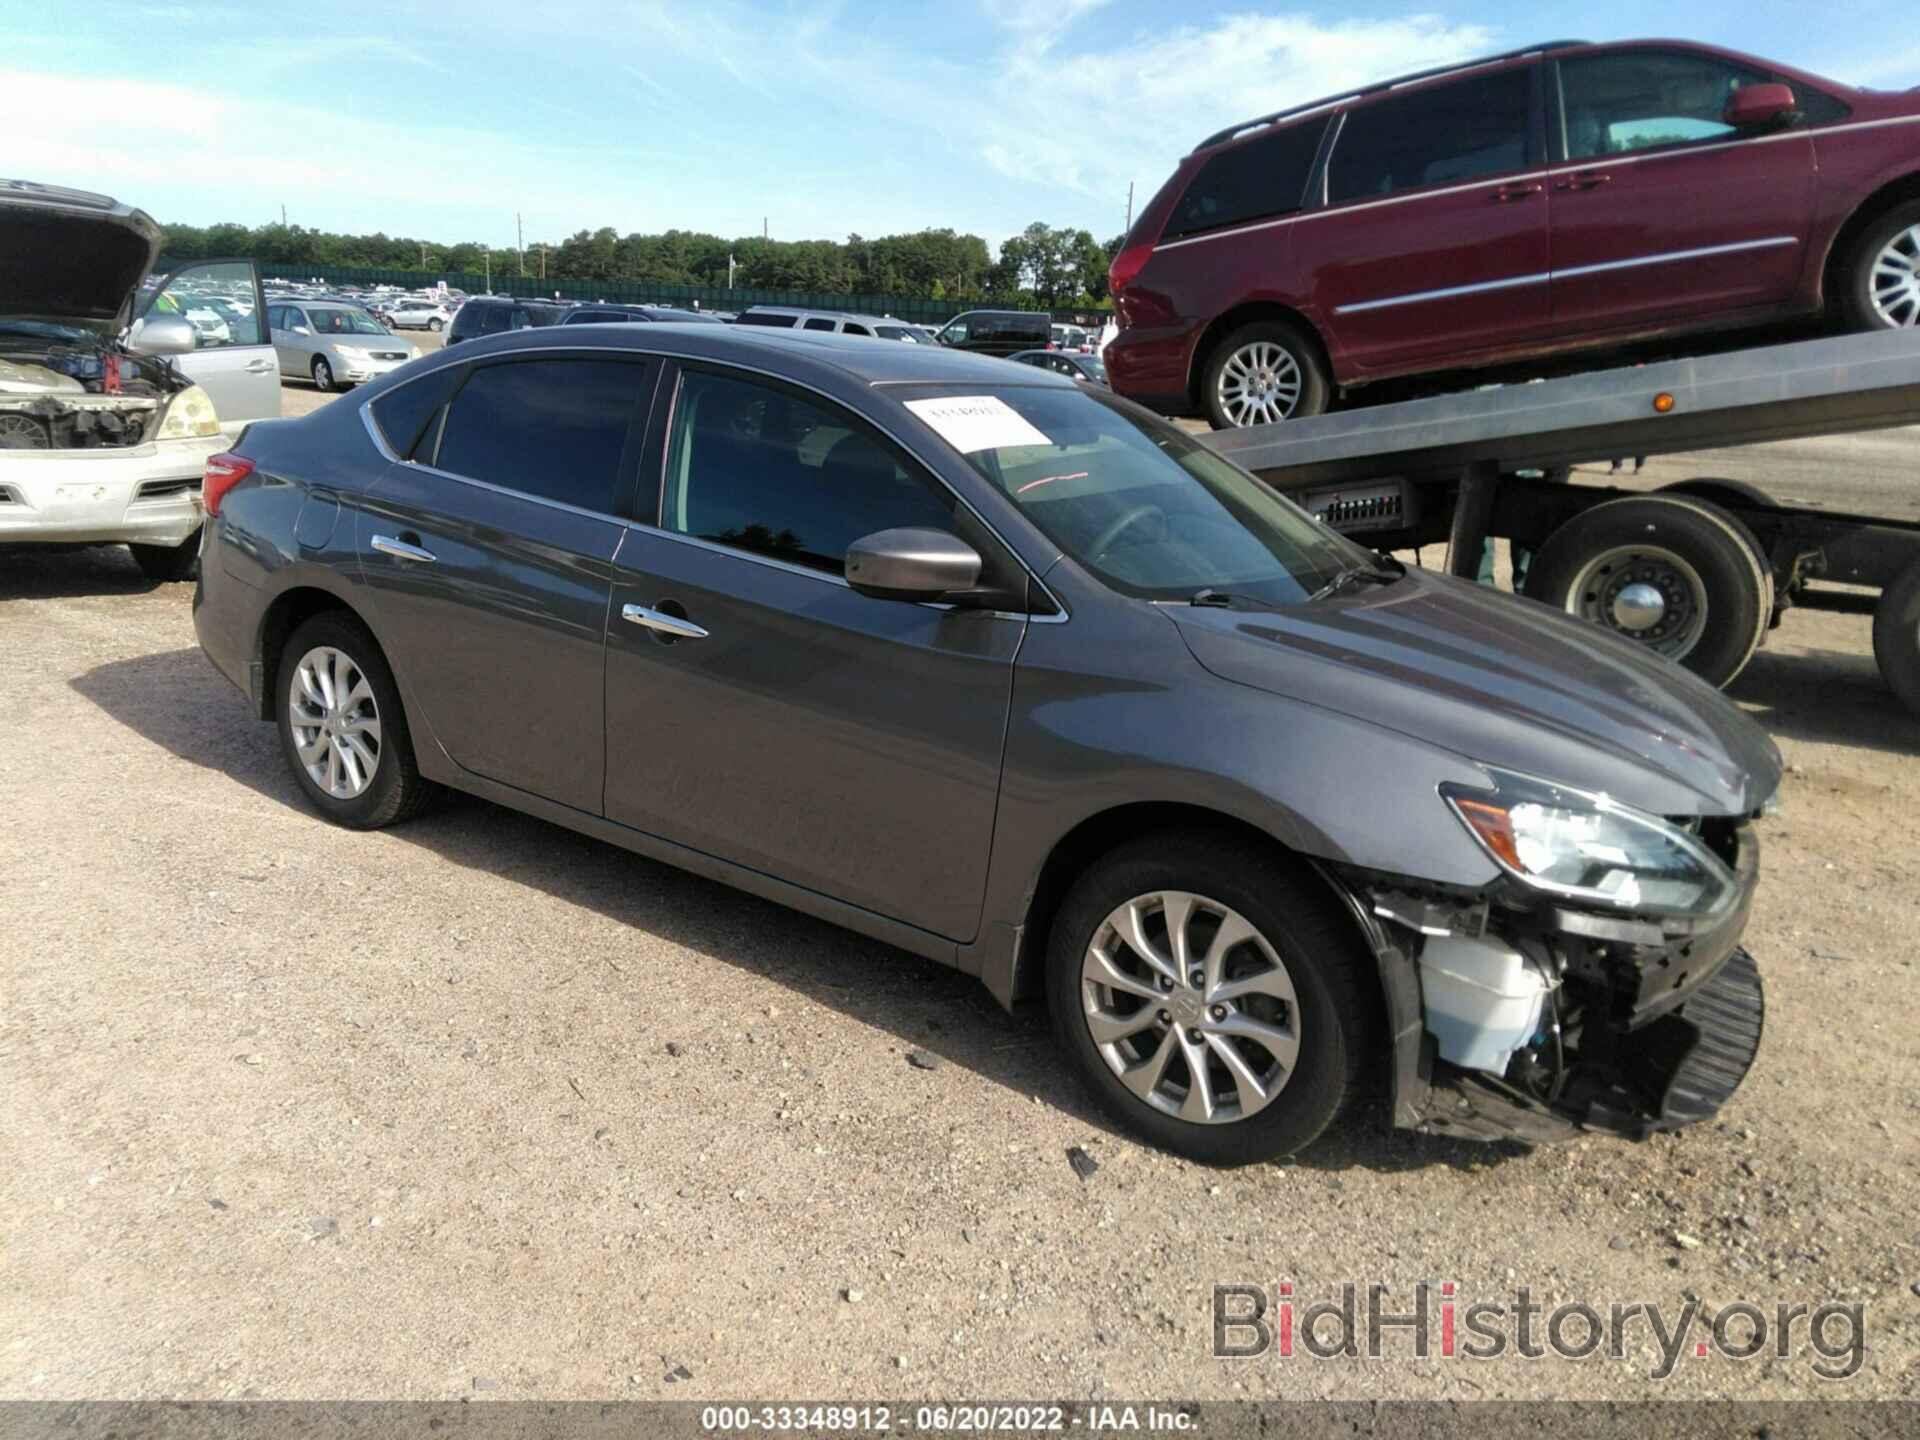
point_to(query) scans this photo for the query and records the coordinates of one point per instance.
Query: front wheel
(169, 562)
(322, 373)
(434, 325)
(1213, 996)
(1262, 373)
(1675, 574)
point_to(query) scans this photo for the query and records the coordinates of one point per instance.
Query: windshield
(343, 322)
(1141, 504)
(1093, 365)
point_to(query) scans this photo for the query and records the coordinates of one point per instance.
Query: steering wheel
(1103, 542)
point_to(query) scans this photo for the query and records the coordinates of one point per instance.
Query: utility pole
(283, 217)
(423, 255)
(487, 250)
(520, 244)
(543, 260)
(1129, 229)
(763, 227)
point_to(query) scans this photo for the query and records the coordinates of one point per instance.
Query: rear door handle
(402, 550)
(664, 623)
(1585, 180)
(1520, 190)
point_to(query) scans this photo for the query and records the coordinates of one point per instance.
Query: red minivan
(1563, 196)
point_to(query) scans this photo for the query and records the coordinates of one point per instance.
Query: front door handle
(1519, 190)
(1585, 180)
(402, 550)
(662, 622)
(259, 367)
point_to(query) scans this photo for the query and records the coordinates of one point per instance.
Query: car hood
(1505, 682)
(69, 254)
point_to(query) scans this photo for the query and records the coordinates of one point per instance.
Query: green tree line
(1045, 266)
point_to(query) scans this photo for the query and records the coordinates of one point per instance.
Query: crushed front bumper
(146, 494)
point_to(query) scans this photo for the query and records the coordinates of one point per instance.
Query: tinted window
(1253, 180)
(759, 468)
(552, 428)
(818, 324)
(853, 329)
(761, 317)
(1644, 99)
(401, 414)
(1435, 136)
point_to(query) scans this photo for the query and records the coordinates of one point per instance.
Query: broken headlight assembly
(1590, 850)
(189, 415)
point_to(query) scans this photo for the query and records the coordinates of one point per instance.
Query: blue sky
(824, 116)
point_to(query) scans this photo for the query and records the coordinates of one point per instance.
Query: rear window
(551, 428)
(1434, 136)
(1254, 180)
(761, 317)
(401, 414)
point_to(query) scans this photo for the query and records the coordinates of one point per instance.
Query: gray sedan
(333, 344)
(993, 666)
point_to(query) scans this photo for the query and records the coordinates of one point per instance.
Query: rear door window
(761, 317)
(816, 323)
(1256, 179)
(555, 429)
(1437, 135)
(402, 415)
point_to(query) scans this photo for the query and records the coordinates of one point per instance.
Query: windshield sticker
(977, 422)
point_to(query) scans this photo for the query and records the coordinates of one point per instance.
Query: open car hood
(70, 255)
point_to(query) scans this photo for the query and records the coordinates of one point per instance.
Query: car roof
(868, 362)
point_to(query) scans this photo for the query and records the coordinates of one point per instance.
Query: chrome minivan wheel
(342, 726)
(1214, 995)
(1262, 373)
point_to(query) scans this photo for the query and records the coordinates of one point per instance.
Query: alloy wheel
(1896, 280)
(1260, 383)
(1645, 592)
(335, 722)
(1191, 1007)
(322, 375)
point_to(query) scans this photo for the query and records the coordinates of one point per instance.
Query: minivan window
(758, 468)
(1253, 180)
(1437, 135)
(816, 323)
(551, 428)
(1644, 99)
(762, 317)
(1141, 504)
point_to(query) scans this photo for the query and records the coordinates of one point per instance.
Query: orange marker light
(1662, 403)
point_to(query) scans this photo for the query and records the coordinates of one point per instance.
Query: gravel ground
(477, 1107)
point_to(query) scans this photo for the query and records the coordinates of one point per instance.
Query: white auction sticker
(977, 422)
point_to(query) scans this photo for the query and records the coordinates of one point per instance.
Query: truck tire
(1876, 296)
(1673, 573)
(1261, 373)
(1724, 494)
(1896, 636)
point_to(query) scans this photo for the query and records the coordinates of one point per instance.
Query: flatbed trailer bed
(1699, 570)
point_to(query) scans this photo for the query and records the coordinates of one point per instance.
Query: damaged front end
(1598, 985)
(68, 396)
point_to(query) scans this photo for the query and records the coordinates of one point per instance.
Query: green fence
(709, 297)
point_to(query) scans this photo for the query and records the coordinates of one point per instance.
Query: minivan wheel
(1262, 373)
(322, 373)
(342, 727)
(1678, 575)
(1879, 287)
(1213, 995)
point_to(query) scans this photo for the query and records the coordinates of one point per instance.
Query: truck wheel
(1722, 494)
(1672, 573)
(1879, 285)
(1896, 636)
(1214, 996)
(1261, 373)
(169, 562)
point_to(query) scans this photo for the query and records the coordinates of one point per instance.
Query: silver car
(333, 344)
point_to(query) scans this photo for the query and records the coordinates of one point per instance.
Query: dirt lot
(477, 1107)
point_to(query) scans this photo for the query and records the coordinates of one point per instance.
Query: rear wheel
(1896, 636)
(169, 562)
(342, 727)
(1675, 574)
(322, 373)
(1262, 373)
(1213, 996)
(1723, 494)
(1879, 285)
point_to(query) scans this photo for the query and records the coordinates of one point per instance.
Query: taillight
(224, 471)
(1127, 266)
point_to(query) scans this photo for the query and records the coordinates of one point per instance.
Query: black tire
(1299, 347)
(434, 324)
(169, 562)
(322, 373)
(1328, 963)
(1896, 637)
(1733, 609)
(1853, 281)
(396, 792)
(1724, 494)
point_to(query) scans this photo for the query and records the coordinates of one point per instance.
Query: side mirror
(163, 335)
(301, 330)
(909, 564)
(1753, 106)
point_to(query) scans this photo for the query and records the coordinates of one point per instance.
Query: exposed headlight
(190, 413)
(1591, 849)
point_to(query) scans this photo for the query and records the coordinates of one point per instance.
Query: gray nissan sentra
(1014, 675)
